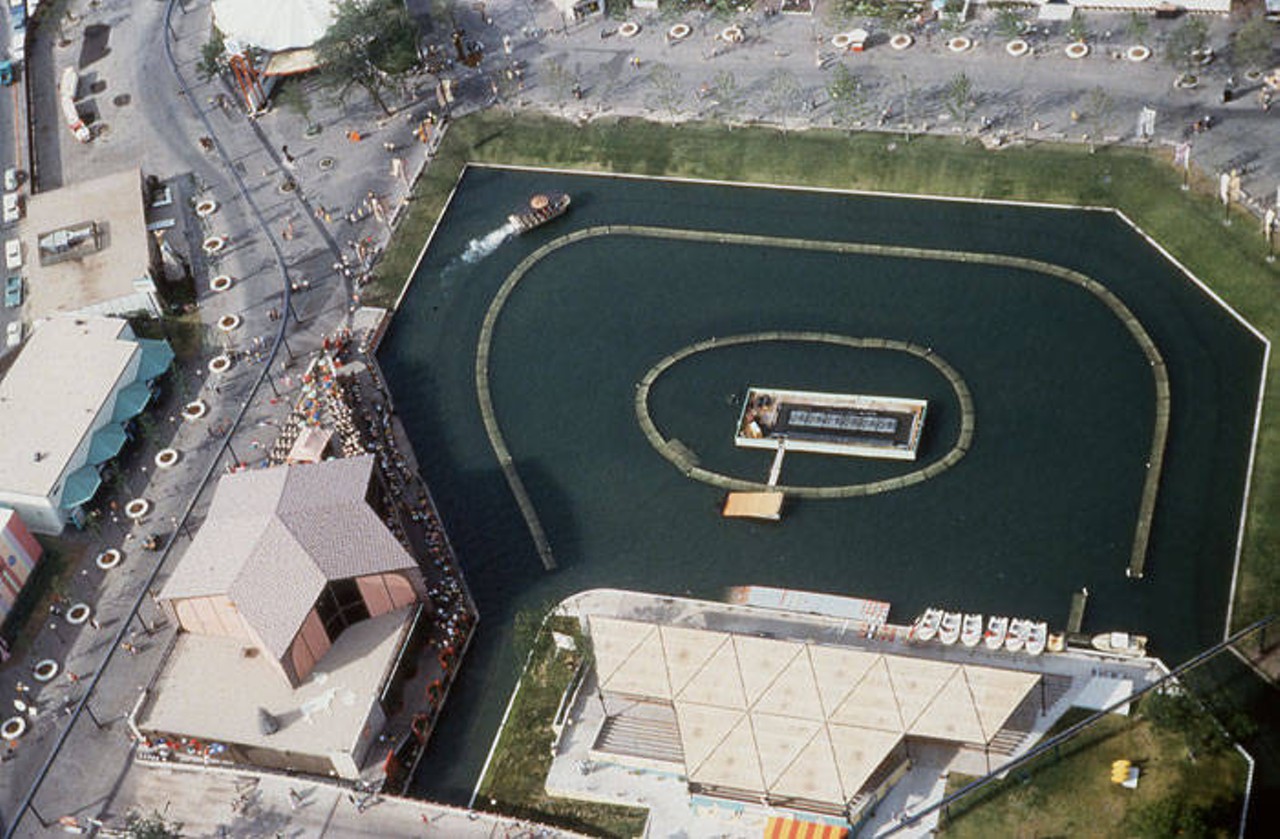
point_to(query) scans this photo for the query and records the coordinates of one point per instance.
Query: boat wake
(478, 249)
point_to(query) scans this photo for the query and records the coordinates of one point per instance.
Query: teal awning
(106, 443)
(130, 401)
(156, 358)
(81, 486)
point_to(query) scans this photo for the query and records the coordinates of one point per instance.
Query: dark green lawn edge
(1139, 183)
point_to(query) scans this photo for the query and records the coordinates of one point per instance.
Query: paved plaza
(318, 234)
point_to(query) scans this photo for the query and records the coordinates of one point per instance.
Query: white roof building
(65, 405)
(276, 26)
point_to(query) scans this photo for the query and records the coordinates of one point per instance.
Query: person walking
(288, 158)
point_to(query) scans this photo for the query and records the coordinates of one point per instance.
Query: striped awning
(779, 828)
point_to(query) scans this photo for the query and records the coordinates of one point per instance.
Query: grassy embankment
(514, 779)
(1202, 797)
(1142, 184)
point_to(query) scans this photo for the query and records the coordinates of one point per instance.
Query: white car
(13, 333)
(12, 207)
(13, 254)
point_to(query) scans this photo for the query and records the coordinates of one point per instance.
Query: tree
(1009, 22)
(729, 97)
(213, 57)
(783, 93)
(1185, 42)
(1077, 29)
(848, 99)
(370, 45)
(1252, 48)
(910, 103)
(668, 89)
(152, 826)
(1098, 112)
(295, 98)
(1138, 26)
(960, 101)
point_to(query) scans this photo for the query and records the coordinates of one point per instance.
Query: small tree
(1185, 42)
(1009, 22)
(1138, 26)
(295, 98)
(1077, 29)
(729, 97)
(668, 89)
(1252, 48)
(213, 57)
(151, 826)
(1098, 111)
(960, 101)
(371, 44)
(783, 94)
(910, 103)
(848, 100)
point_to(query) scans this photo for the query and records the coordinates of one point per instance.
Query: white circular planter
(45, 670)
(166, 458)
(206, 208)
(214, 245)
(230, 323)
(1186, 81)
(1137, 53)
(630, 29)
(901, 41)
(220, 283)
(13, 728)
(1077, 50)
(732, 34)
(195, 410)
(1017, 48)
(137, 508)
(220, 363)
(679, 32)
(841, 41)
(959, 44)
(109, 559)
(78, 614)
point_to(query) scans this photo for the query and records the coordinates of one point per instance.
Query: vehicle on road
(13, 334)
(13, 254)
(12, 207)
(13, 292)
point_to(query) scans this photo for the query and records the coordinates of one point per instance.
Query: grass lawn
(1141, 183)
(1044, 798)
(516, 775)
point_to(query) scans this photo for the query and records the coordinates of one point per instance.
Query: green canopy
(156, 358)
(130, 401)
(106, 443)
(81, 486)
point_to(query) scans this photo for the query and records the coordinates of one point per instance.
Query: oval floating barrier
(109, 559)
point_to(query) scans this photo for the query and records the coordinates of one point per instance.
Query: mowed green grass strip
(1142, 184)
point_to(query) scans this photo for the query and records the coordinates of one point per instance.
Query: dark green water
(1044, 503)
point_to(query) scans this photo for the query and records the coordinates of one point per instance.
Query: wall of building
(38, 512)
(308, 647)
(19, 553)
(384, 593)
(215, 615)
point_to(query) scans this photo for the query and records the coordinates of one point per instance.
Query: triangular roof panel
(644, 672)
(859, 751)
(837, 671)
(916, 682)
(717, 682)
(702, 729)
(780, 740)
(687, 650)
(872, 703)
(997, 693)
(813, 774)
(951, 715)
(761, 660)
(734, 763)
(613, 641)
(793, 693)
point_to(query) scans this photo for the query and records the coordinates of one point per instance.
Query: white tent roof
(789, 718)
(276, 25)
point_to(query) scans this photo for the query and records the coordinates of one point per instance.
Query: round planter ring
(213, 245)
(732, 34)
(630, 29)
(841, 41)
(959, 44)
(206, 208)
(901, 41)
(13, 728)
(230, 323)
(78, 614)
(679, 32)
(109, 559)
(1203, 57)
(195, 410)
(220, 283)
(1137, 53)
(326, 163)
(166, 458)
(1186, 81)
(137, 508)
(1077, 50)
(45, 670)
(1017, 48)
(220, 363)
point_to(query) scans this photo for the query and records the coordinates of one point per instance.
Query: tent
(130, 401)
(157, 355)
(275, 26)
(106, 443)
(82, 485)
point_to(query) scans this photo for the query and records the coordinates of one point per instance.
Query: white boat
(950, 631)
(927, 625)
(997, 629)
(971, 633)
(1121, 643)
(1017, 637)
(1037, 636)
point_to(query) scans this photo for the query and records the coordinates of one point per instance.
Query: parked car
(13, 254)
(13, 292)
(12, 207)
(13, 334)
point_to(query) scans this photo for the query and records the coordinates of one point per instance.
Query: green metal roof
(156, 358)
(81, 486)
(130, 401)
(106, 443)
